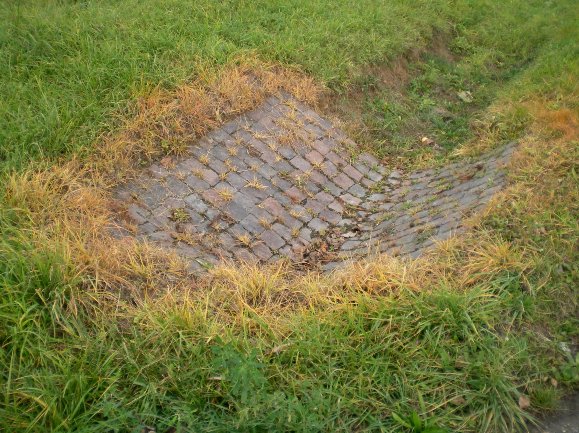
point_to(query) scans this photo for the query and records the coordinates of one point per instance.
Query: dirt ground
(565, 420)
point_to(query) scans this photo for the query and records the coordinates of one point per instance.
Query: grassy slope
(67, 65)
(460, 351)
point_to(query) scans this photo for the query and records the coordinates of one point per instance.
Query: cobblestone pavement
(280, 182)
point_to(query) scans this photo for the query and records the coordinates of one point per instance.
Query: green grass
(452, 357)
(448, 355)
(483, 57)
(68, 66)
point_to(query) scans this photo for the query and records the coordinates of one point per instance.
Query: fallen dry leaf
(465, 96)
(426, 141)
(458, 401)
(524, 401)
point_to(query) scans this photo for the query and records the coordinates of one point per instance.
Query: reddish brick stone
(295, 194)
(336, 206)
(352, 172)
(262, 251)
(272, 239)
(350, 199)
(336, 159)
(244, 255)
(251, 224)
(330, 216)
(212, 196)
(314, 157)
(343, 181)
(321, 146)
(283, 231)
(210, 177)
(300, 163)
(273, 207)
(329, 169)
(314, 206)
(324, 197)
(319, 178)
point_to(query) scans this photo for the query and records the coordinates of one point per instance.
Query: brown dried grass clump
(165, 119)
(71, 203)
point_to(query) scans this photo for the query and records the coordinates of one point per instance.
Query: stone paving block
(252, 225)
(235, 210)
(137, 214)
(281, 183)
(314, 206)
(350, 199)
(194, 201)
(272, 239)
(358, 191)
(212, 196)
(282, 166)
(262, 251)
(336, 159)
(154, 195)
(243, 255)
(324, 197)
(300, 163)
(274, 207)
(317, 225)
(329, 169)
(320, 179)
(296, 194)
(282, 230)
(352, 173)
(374, 176)
(176, 187)
(299, 212)
(259, 193)
(286, 152)
(314, 157)
(322, 147)
(330, 216)
(305, 235)
(147, 228)
(310, 188)
(336, 206)
(343, 181)
(196, 183)
(161, 237)
(251, 190)
(350, 245)
(332, 188)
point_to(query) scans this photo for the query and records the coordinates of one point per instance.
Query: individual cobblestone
(277, 182)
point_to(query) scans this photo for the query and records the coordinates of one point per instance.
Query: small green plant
(425, 234)
(545, 397)
(568, 373)
(180, 215)
(415, 424)
(173, 147)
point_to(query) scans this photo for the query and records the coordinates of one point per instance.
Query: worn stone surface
(278, 182)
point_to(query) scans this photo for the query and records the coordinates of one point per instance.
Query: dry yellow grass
(192, 110)
(71, 202)
(70, 205)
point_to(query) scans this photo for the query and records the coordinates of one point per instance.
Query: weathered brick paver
(278, 182)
